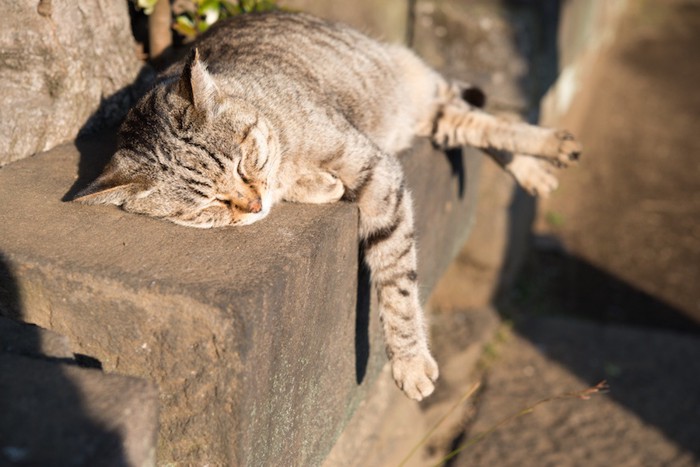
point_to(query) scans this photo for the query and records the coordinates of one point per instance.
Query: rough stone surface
(60, 414)
(260, 338)
(59, 61)
(649, 417)
(381, 431)
(30, 340)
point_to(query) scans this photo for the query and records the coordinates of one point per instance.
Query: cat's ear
(197, 86)
(112, 187)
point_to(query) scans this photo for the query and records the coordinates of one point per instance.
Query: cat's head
(191, 154)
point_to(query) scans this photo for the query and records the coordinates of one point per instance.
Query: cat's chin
(248, 219)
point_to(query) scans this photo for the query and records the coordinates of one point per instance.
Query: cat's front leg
(386, 226)
(315, 187)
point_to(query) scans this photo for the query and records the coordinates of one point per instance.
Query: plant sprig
(198, 15)
(585, 394)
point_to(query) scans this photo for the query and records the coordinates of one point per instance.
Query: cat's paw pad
(569, 148)
(415, 375)
(534, 175)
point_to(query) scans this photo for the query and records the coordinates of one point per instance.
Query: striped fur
(289, 107)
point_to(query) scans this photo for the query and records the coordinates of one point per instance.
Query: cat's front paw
(569, 148)
(415, 375)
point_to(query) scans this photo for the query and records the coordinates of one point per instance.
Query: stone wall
(586, 26)
(61, 60)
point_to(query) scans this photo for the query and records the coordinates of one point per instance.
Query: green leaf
(146, 5)
(232, 7)
(208, 5)
(185, 26)
(202, 26)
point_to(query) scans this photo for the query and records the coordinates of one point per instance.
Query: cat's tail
(471, 94)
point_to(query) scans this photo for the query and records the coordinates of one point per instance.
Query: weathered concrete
(59, 61)
(259, 338)
(640, 231)
(60, 414)
(649, 417)
(57, 413)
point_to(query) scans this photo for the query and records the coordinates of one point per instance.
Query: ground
(610, 290)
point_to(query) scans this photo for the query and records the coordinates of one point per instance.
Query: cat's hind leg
(535, 175)
(456, 123)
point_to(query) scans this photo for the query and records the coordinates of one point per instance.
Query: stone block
(260, 338)
(31, 340)
(61, 414)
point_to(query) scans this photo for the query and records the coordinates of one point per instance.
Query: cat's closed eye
(223, 201)
(242, 176)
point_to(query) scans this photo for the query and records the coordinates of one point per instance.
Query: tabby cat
(287, 107)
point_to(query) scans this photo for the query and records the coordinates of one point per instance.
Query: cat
(288, 107)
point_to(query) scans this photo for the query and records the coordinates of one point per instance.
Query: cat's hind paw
(534, 175)
(569, 148)
(415, 375)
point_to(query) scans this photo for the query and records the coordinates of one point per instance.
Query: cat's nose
(255, 205)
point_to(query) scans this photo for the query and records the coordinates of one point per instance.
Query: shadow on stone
(456, 160)
(364, 297)
(44, 419)
(10, 303)
(95, 152)
(653, 374)
(536, 26)
(647, 350)
(553, 282)
(97, 139)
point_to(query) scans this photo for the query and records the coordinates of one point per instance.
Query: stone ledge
(33, 341)
(260, 338)
(55, 412)
(61, 414)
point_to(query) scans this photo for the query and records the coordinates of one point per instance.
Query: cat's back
(294, 63)
(282, 43)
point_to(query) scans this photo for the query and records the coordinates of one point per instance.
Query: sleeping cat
(287, 107)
